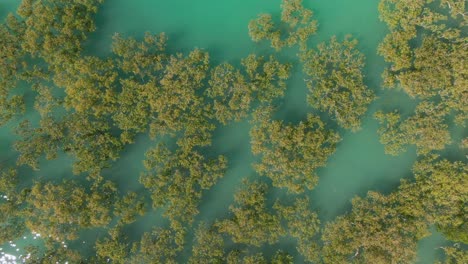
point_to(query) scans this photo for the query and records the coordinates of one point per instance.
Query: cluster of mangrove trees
(64, 102)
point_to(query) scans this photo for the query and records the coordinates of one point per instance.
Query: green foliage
(175, 101)
(90, 86)
(129, 208)
(282, 258)
(158, 246)
(57, 210)
(10, 107)
(160, 92)
(236, 257)
(91, 107)
(379, 229)
(464, 143)
(437, 197)
(251, 223)
(427, 54)
(432, 63)
(209, 246)
(336, 82)
(36, 142)
(391, 136)
(50, 31)
(243, 257)
(177, 180)
(46, 103)
(302, 224)
(457, 8)
(441, 186)
(12, 69)
(426, 129)
(113, 248)
(55, 29)
(61, 210)
(234, 91)
(456, 231)
(454, 255)
(143, 62)
(90, 141)
(141, 58)
(291, 153)
(96, 116)
(11, 223)
(12, 56)
(298, 26)
(8, 183)
(54, 253)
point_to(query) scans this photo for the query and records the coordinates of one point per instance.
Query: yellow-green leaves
(254, 223)
(129, 207)
(375, 231)
(113, 248)
(457, 8)
(455, 254)
(61, 210)
(290, 154)
(437, 197)
(441, 186)
(251, 222)
(426, 129)
(11, 221)
(234, 92)
(55, 28)
(427, 55)
(158, 246)
(302, 224)
(177, 180)
(299, 26)
(12, 68)
(336, 81)
(90, 86)
(141, 58)
(159, 92)
(209, 246)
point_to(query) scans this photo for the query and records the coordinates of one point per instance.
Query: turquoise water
(220, 27)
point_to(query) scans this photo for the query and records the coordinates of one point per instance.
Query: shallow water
(220, 27)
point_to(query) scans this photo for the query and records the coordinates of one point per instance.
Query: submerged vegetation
(91, 109)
